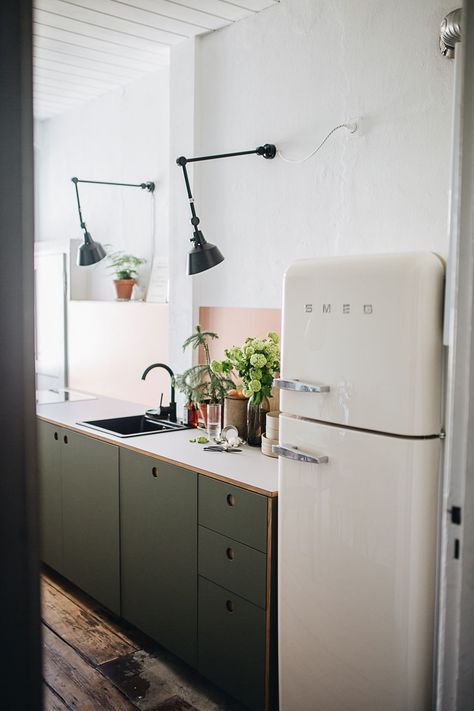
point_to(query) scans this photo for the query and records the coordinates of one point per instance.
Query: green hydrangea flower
(258, 360)
(216, 366)
(255, 363)
(270, 348)
(255, 386)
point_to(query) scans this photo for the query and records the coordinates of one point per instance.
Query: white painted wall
(182, 122)
(287, 76)
(121, 136)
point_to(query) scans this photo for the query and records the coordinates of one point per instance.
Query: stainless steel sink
(133, 426)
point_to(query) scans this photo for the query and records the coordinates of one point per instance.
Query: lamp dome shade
(203, 257)
(90, 252)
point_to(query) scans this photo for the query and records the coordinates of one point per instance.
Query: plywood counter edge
(154, 455)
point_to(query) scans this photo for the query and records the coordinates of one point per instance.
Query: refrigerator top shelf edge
(369, 328)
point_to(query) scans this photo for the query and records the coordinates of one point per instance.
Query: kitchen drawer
(231, 650)
(233, 565)
(234, 512)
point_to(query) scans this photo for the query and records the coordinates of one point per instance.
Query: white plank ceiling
(84, 48)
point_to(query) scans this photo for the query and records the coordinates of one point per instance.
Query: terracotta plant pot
(202, 407)
(124, 288)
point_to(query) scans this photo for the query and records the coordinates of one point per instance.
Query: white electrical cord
(153, 228)
(352, 127)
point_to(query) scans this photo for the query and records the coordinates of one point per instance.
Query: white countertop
(249, 469)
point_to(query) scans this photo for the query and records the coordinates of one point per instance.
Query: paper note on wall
(159, 280)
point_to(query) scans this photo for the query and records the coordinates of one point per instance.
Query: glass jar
(254, 424)
(256, 417)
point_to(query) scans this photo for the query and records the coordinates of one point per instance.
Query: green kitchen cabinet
(90, 508)
(187, 558)
(158, 521)
(50, 494)
(237, 643)
(79, 510)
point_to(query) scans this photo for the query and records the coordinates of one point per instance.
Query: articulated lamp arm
(205, 255)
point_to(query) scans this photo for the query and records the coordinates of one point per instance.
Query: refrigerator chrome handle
(283, 450)
(295, 384)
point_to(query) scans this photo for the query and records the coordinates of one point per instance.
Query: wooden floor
(93, 660)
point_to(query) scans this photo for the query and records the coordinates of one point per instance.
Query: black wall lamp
(205, 255)
(91, 252)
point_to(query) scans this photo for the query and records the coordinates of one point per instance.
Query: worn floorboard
(81, 686)
(88, 603)
(81, 628)
(175, 703)
(150, 680)
(93, 660)
(52, 702)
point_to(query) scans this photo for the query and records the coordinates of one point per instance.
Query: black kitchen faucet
(167, 413)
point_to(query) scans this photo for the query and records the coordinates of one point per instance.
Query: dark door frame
(19, 587)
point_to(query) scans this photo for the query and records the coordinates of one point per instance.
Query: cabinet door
(232, 643)
(49, 472)
(158, 514)
(91, 516)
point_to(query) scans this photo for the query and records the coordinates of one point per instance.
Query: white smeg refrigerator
(359, 464)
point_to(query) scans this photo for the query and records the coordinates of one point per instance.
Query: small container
(235, 413)
(272, 428)
(230, 432)
(267, 445)
(190, 415)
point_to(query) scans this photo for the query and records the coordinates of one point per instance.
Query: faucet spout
(172, 406)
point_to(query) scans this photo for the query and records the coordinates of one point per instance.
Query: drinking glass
(214, 420)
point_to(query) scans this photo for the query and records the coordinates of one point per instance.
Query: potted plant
(256, 363)
(200, 384)
(125, 267)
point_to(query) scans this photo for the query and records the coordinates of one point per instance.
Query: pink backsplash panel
(233, 325)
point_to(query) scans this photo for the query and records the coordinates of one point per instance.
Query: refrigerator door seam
(436, 435)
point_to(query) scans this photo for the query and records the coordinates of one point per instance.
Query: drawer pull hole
(56, 436)
(230, 553)
(230, 606)
(154, 471)
(230, 500)
(65, 439)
